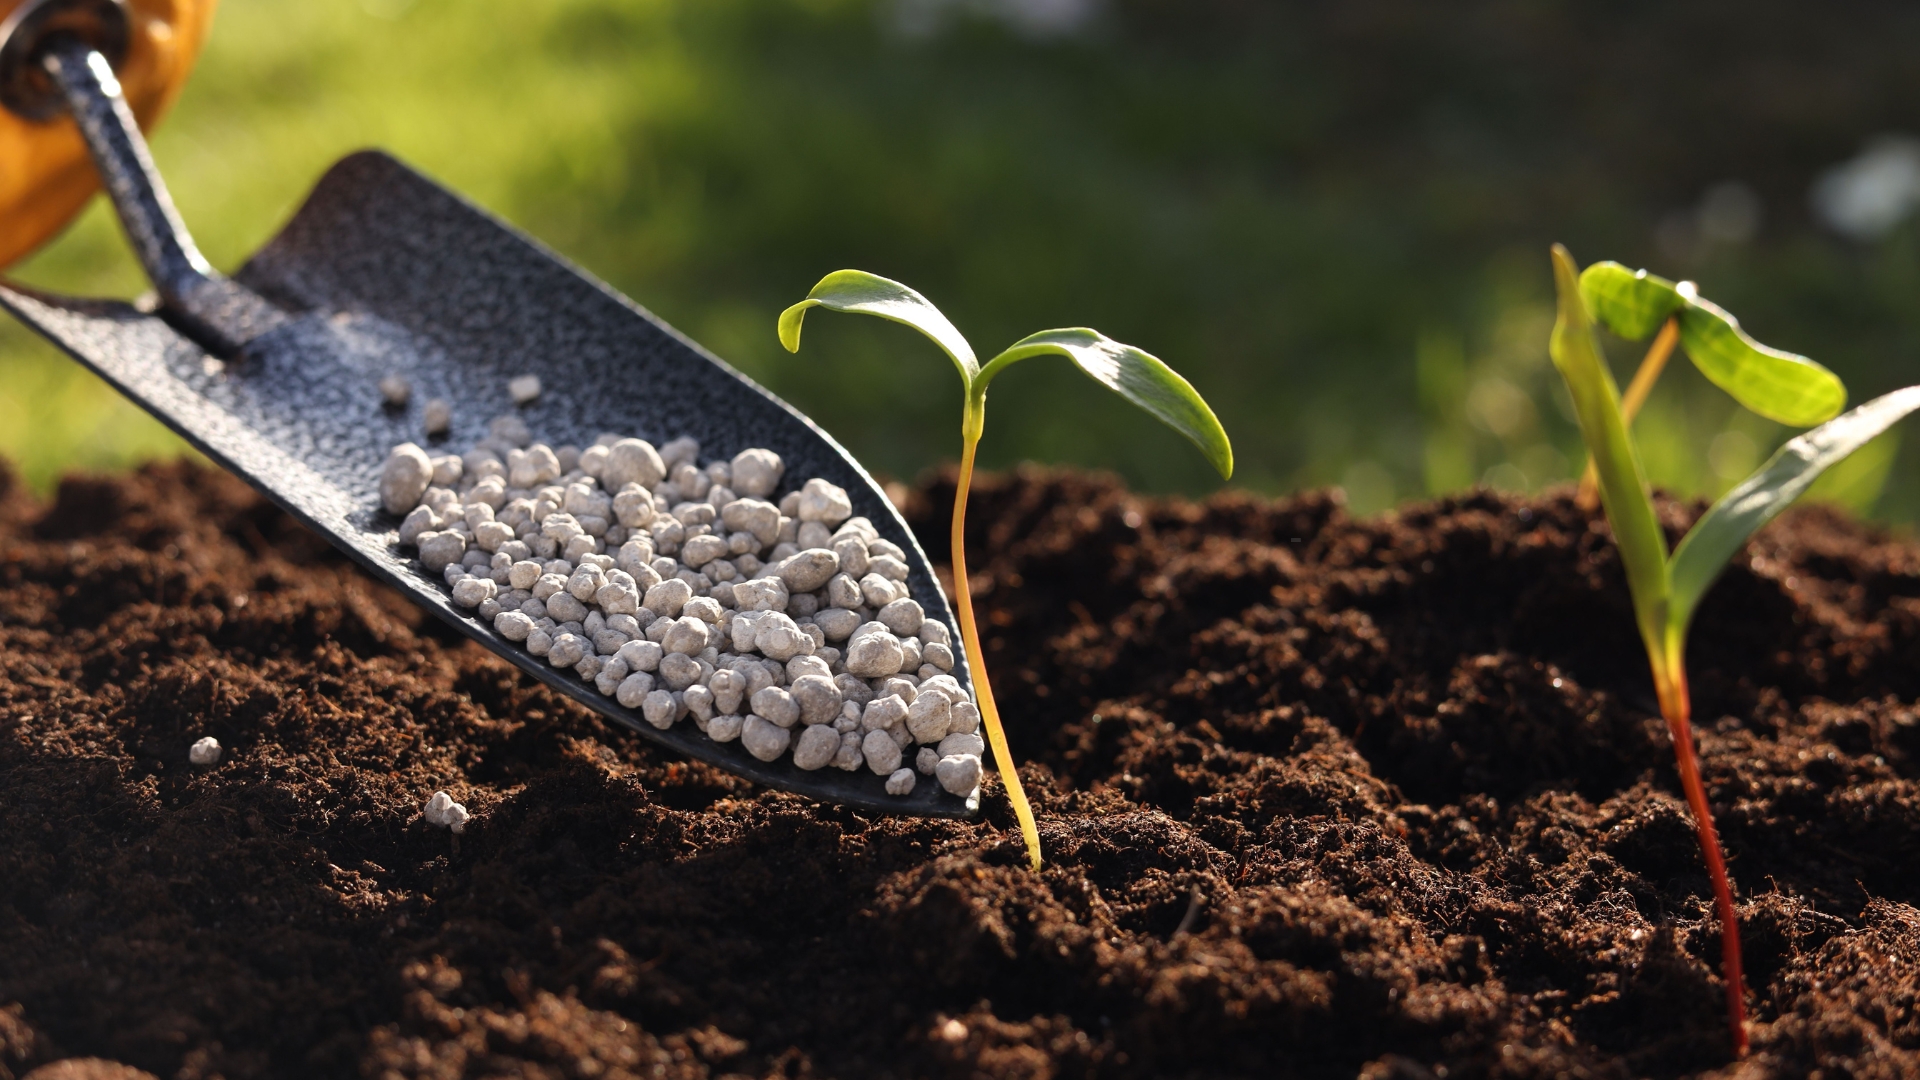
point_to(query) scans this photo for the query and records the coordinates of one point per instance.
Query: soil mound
(1321, 797)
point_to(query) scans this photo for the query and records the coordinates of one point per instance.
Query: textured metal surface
(385, 272)
(25, 86)
(219, 314)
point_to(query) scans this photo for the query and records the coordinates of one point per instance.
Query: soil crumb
(1321, 797)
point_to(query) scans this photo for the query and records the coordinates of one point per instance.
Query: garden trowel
(274, 373)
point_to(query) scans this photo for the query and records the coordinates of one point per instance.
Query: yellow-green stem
(1649, 373)
(1670, 683)
(970, 636)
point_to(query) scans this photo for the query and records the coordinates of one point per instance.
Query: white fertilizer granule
(727, 595)
(441, 810)
(437, 416)
(524, 389)
(204, 751)
(395, 391)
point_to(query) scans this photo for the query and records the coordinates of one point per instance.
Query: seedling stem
(1676, 708)
(970, 636)
(1135, 375)
(1667, 590)
(1651, 365)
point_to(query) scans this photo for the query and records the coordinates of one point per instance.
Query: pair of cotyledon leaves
(1775, 384)
(1132, 373)
(1778, 385)
(1785, 387)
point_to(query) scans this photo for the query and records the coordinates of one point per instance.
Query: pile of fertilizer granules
(687, 590)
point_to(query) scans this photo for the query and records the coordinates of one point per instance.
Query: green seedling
(1778, 385)
(1667, 591)
(1129, 372)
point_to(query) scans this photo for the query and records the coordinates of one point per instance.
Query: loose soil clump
(1320, 797)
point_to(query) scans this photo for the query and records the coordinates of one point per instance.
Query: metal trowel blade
(385, 272)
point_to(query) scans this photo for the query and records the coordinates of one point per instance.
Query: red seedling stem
(1676, 708)
(1667, 588)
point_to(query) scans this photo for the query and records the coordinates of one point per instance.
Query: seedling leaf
(1778, 385)
(1631, 303)
(1134, 374)
(1623, 488)
(871, 294)
(1774, 384)
(1718, 535)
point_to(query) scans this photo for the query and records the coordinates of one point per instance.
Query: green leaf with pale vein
(1778, 385)
(1631, 303)
(1134, 374)
(1721, 531)
(870, 294)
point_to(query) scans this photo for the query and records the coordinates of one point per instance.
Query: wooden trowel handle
(45, 174)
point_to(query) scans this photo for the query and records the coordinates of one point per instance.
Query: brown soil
(1320, 798)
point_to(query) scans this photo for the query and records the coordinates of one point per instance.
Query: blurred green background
(1333, 218)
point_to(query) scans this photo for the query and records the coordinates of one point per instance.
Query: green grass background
(1332, 218)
